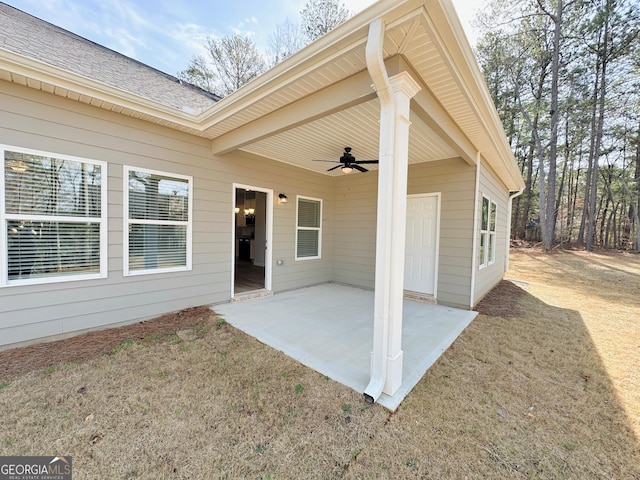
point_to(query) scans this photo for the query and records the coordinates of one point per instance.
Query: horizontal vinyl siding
(354, 225)
(292, 182)
(455, 180)
(354, 222)
(41, 121)
(492, 187)
(44, 122)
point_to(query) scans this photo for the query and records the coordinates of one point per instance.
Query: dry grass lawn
(545, 383)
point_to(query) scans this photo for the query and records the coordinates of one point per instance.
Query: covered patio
(329, 328)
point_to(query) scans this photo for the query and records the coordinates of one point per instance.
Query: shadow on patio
(329, 328)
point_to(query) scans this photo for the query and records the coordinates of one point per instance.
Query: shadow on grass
(522, 393)
(601, 273)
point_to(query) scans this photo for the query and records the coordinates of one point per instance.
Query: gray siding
(455, 179)
(354, 222)
(492, 187)
(354, 225)
(41, 121)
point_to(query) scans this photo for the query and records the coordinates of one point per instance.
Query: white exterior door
(421, 251)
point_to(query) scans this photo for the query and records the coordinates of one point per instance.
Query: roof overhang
(320, 100)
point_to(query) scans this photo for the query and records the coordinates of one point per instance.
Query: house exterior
(127, 194)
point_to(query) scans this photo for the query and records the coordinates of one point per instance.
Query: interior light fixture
(283, 198)
(17, 166)
(237, 209)
(346, 169)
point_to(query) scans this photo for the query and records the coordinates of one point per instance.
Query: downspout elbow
(375, 64)
(516, 194)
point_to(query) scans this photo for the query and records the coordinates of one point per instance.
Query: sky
(166, 34)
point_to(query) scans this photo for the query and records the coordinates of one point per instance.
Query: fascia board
(444, 23)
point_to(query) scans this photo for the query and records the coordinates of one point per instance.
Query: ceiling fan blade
(358, 167)
(367, 161)
(333, 168)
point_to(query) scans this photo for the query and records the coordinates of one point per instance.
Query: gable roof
(28, 36)
(311, 105)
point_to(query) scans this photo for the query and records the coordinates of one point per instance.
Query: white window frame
(318, 229)
(488, 235)
(127, 221)
(101, 221)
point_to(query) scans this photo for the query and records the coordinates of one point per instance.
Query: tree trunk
(604, 53)
(564, 174)
(548, 194)
(636, 202)
(586, 210)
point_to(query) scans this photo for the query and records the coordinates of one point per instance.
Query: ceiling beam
(431, 112)
(351, 91)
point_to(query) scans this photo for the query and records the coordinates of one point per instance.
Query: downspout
(474, 247)
(380, 78)
(509, 214)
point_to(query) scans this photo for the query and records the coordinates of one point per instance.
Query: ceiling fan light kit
(348, 163)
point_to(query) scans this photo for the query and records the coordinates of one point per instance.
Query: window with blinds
(53, 216)
(158, 222)
(487, 251)
(308, 228)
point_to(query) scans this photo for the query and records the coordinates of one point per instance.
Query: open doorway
(251, 265)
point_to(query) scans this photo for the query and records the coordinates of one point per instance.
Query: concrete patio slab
(329, 328)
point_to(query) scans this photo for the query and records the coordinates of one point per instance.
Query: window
(309, 229)
(158, 222)
(487, 252)
(53, 214)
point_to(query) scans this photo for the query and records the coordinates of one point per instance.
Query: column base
(394, 374)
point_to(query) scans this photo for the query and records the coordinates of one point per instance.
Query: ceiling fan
(348, 162)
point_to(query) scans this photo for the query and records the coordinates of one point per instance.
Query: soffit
(431, 44)
(356, 127)
(54, 81)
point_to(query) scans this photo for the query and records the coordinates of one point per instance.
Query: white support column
(378, 73)
(395, 95)
(403, 88)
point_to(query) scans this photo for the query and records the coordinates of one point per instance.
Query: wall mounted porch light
(282, 198)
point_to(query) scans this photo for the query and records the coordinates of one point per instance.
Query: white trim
(101, 221)
(483, 263)
(126, 272)
(315, 229)
(268, 256)
(438, 196)
(489, 252)
(493, 232)
(474, 255)
(3, 227)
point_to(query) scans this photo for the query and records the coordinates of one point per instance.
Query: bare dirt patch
(543, 384)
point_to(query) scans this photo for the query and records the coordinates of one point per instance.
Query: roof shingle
(31, 37)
